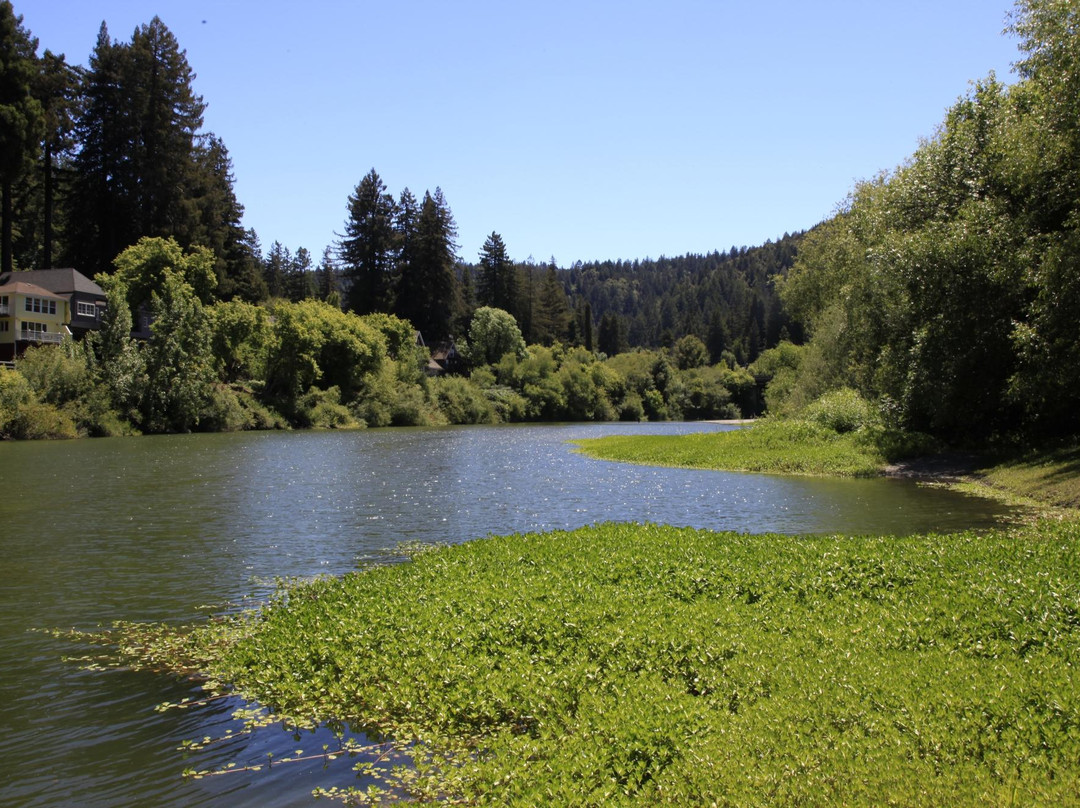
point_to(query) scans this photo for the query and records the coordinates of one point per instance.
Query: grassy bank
(776, 446)
(630, 664)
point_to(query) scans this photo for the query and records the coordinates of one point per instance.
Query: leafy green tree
(315, 344)
(690, 352)
(120, 366)
(493, 334)
(179, 363)
(22, 119)
(240, 338)
(144, 268)
(368, 250)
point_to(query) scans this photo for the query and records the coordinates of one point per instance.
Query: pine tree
(368, 250)
(138, 161)
(551, 317)
(21, 116)
(428, 293)
(498, 285)
(58, 88)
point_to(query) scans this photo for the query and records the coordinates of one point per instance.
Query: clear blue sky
(579, 130)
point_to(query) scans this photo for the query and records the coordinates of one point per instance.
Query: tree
(610, 339)
(143, 269)
(428, 294)
(179, 364)
(498, 276)
(326, 277)
(690, 352)
(368, 250)
(217, 221)
(493, 334)
(551, 315)
(120, 365)
(57, 87)
(141, 170)
(22, 119)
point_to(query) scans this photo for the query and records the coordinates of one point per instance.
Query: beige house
(31, 315)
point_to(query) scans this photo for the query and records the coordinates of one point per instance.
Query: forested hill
(727, 299)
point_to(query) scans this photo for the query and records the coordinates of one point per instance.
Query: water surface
(154, 528)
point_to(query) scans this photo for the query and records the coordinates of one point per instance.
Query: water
(155, 528)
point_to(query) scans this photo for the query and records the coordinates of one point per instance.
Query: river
(173, 527)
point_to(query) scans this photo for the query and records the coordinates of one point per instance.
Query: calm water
(157, 528)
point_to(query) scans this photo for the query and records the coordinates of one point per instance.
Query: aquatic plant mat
(773, 446)
(652, 665)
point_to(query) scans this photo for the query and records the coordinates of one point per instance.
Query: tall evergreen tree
(428, 292)
(326, 277)
(368, 250)
(498, 285)
(551, 316)
(216, 219)
(138, 133)
(58, 89)
(276, 268)
(22, 119)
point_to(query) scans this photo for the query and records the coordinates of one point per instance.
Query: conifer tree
(138, 132)
(22, 119)
(428, 292)
(58, 88)
(498, 285)
(368, 250)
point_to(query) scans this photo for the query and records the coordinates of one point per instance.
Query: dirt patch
(946, 468)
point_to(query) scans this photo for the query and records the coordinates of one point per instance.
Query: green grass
(652, 665)
(773, 446)
(1050, 478)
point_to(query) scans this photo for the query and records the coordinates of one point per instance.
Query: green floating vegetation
(771, 445)
(653, 665)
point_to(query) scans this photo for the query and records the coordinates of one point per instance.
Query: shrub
(842, 411)
(461, 402)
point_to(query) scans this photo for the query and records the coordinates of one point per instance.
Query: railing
(41, 336)
(5, 309)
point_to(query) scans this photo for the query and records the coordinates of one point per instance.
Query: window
(5, 325)
(34, 328)
(86, 309)
(40, 305)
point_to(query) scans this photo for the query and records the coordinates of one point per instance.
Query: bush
(322, 409)
(461, 402)
(842, 411)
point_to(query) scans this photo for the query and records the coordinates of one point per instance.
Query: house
(445, 359)
(30, 315)
(86, 300)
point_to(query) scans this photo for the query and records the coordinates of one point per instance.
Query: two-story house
(30, 315)
(43, 306)
(86, 300)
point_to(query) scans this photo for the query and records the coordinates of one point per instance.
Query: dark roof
(57, 281)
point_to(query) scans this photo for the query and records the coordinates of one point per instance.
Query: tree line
(948, 290)
(96, 158)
